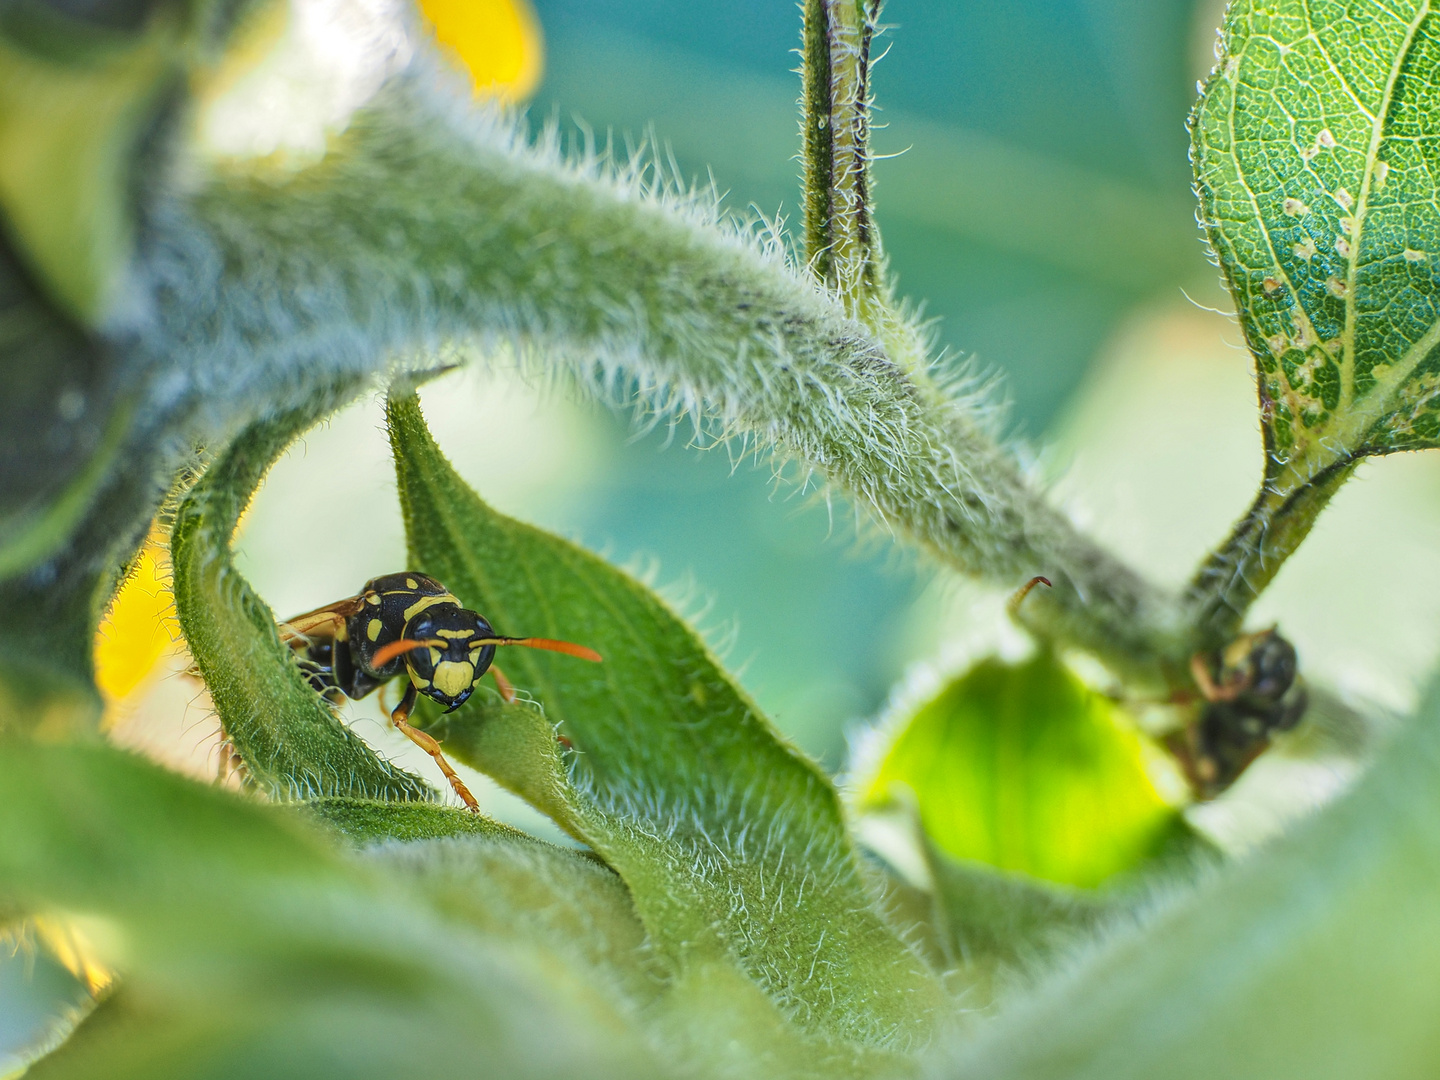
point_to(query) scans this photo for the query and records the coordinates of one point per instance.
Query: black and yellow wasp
(406, 624)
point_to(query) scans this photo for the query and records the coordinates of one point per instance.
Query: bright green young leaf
(732, 844)
(1316, 157)
(248, 946)
(1024, 768)
(293, 744)
(1314, 960)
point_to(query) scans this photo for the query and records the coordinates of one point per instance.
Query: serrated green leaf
(248, 946)
(1315, 146)
(291, 740)
(1023, 767)
(732, 844)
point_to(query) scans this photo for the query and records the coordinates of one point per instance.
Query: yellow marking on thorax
(428, 602)
(372, 631)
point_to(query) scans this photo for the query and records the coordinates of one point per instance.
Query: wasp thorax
(456, 654)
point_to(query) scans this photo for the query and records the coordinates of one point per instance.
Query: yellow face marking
(411, 583)
(435, 655)
(426, 602)
(420, 684)
(372, 631)
(454, 677)
(453, 634)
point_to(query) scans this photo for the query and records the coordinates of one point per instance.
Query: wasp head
(456, 657)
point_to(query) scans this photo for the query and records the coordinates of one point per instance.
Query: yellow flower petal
(139, 628)
(498, 41)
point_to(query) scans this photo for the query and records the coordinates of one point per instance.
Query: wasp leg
(504, 685)
(400, 718)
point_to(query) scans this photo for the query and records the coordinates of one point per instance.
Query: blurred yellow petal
(498, 41)
(70, 941)
(139, 628)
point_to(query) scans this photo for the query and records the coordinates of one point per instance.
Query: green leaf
(1314, 959)
(249, 946)
(1023, 767)
(292, 742)
(1316, 160)
(732, 844)
(366, 820)
(989, 917)
(75, 100)
(1318, 131)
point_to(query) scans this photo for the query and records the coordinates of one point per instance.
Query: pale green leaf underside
(1317, 149)
(732, 844)
(1022, 767)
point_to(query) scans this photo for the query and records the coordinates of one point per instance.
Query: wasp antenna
(386, 653)
(1024, 591)
(569, 648)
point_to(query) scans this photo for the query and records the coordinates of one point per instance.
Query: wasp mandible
(406, 624)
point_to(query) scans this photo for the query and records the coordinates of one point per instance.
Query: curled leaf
(292, 742)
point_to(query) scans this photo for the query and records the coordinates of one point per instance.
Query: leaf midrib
(1378, 120)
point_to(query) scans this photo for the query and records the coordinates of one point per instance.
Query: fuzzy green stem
(1238, 571)
(426, 225)
(841, 239)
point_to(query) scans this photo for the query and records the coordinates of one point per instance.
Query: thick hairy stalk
(427, 224)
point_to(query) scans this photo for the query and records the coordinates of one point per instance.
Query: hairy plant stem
(428, 223)
(1237, 572)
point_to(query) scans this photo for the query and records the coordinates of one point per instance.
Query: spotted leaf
(1317, 161)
